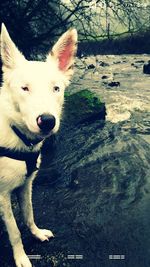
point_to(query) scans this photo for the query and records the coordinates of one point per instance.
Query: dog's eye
(25, 88)
(56, 89)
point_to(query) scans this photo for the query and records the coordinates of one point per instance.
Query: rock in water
(104, 77)
(146, 68)
(114, 84)
(83, 106)
(91, 66)
(103, 64)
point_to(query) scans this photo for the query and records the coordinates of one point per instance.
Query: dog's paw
(42, 234)
(22, 261)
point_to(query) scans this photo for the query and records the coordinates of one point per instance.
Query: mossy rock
(83, 106)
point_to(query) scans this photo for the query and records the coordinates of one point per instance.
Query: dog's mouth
(44, 134)
(38, 135)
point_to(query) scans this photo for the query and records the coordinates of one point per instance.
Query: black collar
(28, 142)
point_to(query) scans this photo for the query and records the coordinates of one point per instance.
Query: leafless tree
(36, 22)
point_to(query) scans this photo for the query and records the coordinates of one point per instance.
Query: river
(129, 102)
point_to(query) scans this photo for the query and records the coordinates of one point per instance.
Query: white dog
(31, 100)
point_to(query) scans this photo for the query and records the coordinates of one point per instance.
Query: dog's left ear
(10, 54)
(64, 52)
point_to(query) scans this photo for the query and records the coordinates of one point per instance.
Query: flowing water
(128, 102)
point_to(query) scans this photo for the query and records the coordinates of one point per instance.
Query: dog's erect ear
(10, 54)
(64, 51)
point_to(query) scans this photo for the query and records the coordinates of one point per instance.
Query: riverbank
(126, 44)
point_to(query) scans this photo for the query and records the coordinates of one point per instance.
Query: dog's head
(36, 89)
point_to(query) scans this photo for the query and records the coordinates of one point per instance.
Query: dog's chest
(12, 173)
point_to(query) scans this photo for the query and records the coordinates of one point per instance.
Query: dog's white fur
(21, 108)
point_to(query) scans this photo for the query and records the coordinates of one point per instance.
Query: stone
(117, 62)
(104, 77)
(103, 64)
(146, 68)
(91, 66)
(95, 175)
(139, 61)
(83, 106)
(114, 84)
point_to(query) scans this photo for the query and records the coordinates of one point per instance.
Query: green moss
(82, 105)
(67, 94)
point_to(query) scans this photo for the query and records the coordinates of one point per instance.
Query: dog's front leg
(25, 201)
(20, 257)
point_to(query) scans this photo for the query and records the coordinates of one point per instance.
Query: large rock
(94, 187)
(83, 106)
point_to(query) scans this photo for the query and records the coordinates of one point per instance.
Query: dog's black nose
(46, 122)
